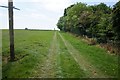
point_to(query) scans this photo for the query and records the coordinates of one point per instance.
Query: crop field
(55, 54)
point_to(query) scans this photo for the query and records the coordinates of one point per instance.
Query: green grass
(99, 58)
(31, 47)
(69, 67)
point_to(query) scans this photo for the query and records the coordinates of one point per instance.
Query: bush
(26, 28)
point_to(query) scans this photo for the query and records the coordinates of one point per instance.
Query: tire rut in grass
(68, 66)
(48, 68)
(88, 68)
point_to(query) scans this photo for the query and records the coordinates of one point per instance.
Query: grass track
(50, 54)
(69, 66)
(98, 57)
(90, 70)
(49, 66)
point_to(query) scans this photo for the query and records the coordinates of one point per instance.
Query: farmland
(54, 54)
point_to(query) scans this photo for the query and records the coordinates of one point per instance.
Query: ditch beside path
(84, 64)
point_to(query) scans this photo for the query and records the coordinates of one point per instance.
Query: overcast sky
(39, 14)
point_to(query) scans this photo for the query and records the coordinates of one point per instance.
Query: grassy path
(53, 54)
(48, 68)
(68, 67)
(88, 68)
(59, 63)
(65, 61)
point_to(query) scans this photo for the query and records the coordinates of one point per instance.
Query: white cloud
(95, 0)
(55, 5)
(61, 0)
(39, 13)
(52, 5)
(1, 14)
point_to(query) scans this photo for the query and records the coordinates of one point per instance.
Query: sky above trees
(40, 14)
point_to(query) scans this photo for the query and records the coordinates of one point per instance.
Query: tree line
(100, 22)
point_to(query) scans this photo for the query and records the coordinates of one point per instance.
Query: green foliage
(60, 24)
(93, 21)
(116, 19)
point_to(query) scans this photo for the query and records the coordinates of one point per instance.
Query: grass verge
(99, 58)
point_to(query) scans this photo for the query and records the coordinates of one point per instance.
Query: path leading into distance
(51, 69)
(88, 68)
(49, 66)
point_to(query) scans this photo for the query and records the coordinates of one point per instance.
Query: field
(54, 54)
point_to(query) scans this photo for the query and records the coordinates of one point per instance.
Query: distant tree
(26, 28)
(60, 24)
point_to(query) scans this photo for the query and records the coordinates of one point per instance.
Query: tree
(60, 23)
(92, 21)
(26, 28)
(116, 20)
